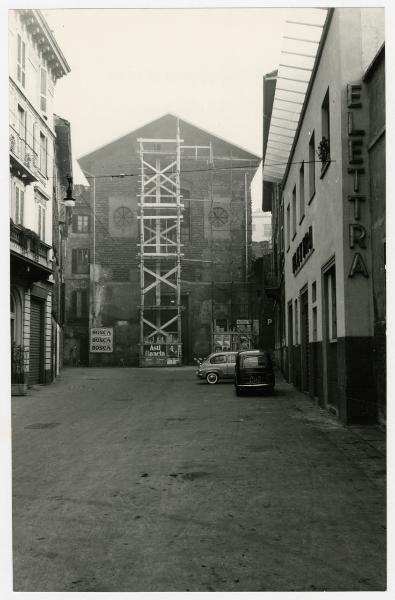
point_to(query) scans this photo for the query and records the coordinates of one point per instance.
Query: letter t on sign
(356, 199)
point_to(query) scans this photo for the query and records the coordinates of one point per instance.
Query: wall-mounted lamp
(69, 201)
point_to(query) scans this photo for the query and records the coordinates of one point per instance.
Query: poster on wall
(101, 339)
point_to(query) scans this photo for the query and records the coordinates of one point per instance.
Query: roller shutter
(36, 342)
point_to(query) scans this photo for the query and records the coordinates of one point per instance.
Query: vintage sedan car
(254, 371)
(217, 366)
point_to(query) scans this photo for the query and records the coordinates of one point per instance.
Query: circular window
(218, 216)
(123, 217)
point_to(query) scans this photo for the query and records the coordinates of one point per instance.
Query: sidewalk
(365, 445)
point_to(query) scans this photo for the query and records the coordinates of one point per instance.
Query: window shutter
(22, 205)
(75, 223)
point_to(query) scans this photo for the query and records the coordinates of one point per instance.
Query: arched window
(15, 317)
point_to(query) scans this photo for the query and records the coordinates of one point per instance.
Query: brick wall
(213, 268)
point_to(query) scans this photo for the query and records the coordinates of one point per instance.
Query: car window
(219, 359)
(255, 361)
(232, 358)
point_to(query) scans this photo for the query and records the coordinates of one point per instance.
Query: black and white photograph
(195, 360)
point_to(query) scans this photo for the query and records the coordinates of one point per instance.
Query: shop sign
(357, 232)
(303, 251)
(101, 339)
(152, 350)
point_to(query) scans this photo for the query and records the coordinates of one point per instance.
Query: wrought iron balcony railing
(28, 241)
(23, 156)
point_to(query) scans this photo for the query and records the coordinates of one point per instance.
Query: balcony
(272, 284)
(29, 254)
(23, 160)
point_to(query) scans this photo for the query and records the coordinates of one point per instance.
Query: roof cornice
(39, 29)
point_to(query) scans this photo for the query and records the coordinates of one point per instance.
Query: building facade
(103, 271)
(35, 64)
(331, 222)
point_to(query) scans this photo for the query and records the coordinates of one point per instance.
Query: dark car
(217, 366)
(254, 371)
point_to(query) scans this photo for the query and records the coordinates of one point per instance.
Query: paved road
(148, 480)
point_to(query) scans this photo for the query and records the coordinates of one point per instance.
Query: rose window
(218, 216)
(123, 217)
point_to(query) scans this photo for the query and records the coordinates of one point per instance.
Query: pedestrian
(73, 356)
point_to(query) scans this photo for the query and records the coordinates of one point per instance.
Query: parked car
(217, 366)
(254, 371)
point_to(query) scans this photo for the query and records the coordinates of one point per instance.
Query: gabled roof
(165, 127)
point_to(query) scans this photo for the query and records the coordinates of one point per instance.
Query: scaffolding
(160, 247)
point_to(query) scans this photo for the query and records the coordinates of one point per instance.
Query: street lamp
(69, 201)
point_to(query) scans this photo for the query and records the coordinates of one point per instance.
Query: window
(330, 297)
(314, 291)
(267, 231)
(219, 359)
(41, 212)
(43, 90)
(301, 193)
(79, 304)
(311, 167)
(220, 325)
(325, 141)
(294, 212)
(80, 223)
(282, 241)
(43, 154)
(80, 259)
(17, 204)
(256, 361)
(314, 324)
(21, 122)
(288, 226)
(21, 62)
(296, 323)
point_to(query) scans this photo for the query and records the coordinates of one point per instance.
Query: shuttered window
(80, 259)
(43, 90)
(21, 62)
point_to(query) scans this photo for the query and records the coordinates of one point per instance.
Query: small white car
(218, 366)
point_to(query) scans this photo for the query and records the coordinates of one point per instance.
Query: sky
(130, 66)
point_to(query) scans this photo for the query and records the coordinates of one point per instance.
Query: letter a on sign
(358, 266)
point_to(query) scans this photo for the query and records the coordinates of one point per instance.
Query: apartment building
(329, 223)
(35, 65)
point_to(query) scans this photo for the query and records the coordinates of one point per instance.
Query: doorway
(304, 334)
(290, 341)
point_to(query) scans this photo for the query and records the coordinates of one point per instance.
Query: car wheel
(212, 378)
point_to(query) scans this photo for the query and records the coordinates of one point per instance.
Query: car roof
(253, 352)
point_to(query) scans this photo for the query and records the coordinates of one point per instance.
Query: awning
(302, 34)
